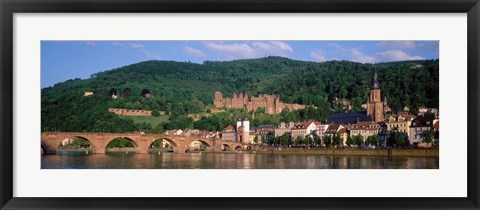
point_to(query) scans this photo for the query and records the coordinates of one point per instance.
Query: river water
(233, 161)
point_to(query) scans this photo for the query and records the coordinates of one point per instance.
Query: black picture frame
(10, 7)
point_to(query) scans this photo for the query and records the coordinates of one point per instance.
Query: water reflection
(234, 161)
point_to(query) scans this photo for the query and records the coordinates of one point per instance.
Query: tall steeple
(374, 104)
(375, 81)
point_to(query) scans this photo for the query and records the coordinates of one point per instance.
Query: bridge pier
(180, 147)
(217, 146)
(141, 146)
(99, 150)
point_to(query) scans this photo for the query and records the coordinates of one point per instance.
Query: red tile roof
(304, 124)
(332, 129)
(365, 123)
(229, 127)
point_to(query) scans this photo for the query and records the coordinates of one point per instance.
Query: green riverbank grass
(154, 121)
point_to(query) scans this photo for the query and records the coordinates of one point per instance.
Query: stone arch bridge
(98, 141)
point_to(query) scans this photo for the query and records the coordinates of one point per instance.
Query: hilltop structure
(271, 103)
(131, 112)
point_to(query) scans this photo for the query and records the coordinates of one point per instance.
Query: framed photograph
(239, 105)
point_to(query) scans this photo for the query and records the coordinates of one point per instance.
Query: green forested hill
(181, 88)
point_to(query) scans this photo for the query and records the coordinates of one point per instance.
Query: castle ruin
(271, 103)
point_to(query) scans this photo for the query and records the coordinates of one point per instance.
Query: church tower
(375, 105)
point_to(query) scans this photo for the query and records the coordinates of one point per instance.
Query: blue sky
(63, 60)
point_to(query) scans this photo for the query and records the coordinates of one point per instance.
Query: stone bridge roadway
(51, 140)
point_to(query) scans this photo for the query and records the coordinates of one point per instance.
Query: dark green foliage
(309, 140)
(160, 128)
(214, 123)
(357, 140)
(181, 88)
(400, 139)
(284, 139)
(155, 113)
(74, 112)
(327, 140)
(317, 140)
(336, 140)
(300, 140)
(427, 137)
(143, 127)
(349, 141)
(373, 140)
(180, 122)
(270, 138)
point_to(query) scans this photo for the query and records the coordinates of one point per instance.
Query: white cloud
(261, 45)
(397, 45)
(194, 52)
(250, 49)
(234, 50)
(385, 56)
(318, 55)
(90, 43)
(150, 54)
(140, 48)
(119, 44)
(282, 46)
(395, 55)
(359, 56)
(137, 46)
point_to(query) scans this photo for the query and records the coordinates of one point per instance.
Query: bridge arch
(168, 144)
(238, 148)
(122, 144)
(207, 145)
(72, 139)
(226, 147)
(74, 144)
(51, 143)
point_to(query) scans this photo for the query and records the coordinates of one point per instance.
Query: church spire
(375, 81)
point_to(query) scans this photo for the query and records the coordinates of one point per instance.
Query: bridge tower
(243, 130)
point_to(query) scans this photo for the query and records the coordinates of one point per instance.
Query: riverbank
(347, 152)
(124, 149)
(358, 152)
(77, 151)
